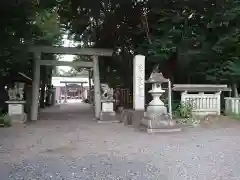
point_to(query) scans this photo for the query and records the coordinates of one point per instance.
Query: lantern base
(155, 110)
(161, 130)
(159, 123)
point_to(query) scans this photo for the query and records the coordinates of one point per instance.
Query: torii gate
(38, 50)
(73, 82)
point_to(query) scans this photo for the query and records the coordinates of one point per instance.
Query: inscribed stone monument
(138, 82)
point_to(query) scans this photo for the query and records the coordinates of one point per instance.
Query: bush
(5, 120)
(184, 110)
(1, 121)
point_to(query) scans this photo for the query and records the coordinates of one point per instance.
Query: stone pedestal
(160, 123)
(108, 115)
(156, 117)
(132, 118)
(16, 111)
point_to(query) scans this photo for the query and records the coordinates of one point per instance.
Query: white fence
(232, 105)
(203, 104)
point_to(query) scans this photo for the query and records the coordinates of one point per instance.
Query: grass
(234, 116)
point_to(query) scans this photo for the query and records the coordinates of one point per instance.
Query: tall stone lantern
(156, 118)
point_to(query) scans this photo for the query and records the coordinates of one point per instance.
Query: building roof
(18, 77)
(200, 88)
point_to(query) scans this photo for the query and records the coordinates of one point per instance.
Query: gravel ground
(67, 144)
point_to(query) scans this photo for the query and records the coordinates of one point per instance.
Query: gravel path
(68, 145)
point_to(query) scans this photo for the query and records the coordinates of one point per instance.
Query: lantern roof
(156, 78)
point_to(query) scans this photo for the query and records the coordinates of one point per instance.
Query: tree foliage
(25, 23)
(192, 41)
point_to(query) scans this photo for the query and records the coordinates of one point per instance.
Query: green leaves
(48, 24)
(25, 23)
(203, 33)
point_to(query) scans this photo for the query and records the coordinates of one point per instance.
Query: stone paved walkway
(68, 144)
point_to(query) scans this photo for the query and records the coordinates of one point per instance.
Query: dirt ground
(66, 143)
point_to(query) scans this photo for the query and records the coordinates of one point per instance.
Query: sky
(67, 43)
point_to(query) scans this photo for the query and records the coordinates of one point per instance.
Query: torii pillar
(66, 93)
(90, 85)
(97, 95)
(35, 86)
(82, 91)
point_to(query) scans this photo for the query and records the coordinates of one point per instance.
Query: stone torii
(38, 50)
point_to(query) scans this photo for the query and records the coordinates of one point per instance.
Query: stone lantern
(156, 118)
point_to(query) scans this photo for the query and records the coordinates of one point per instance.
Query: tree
(171, 33)
(100, 22)
(25, 23)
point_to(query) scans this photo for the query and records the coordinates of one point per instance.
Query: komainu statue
(107, 93)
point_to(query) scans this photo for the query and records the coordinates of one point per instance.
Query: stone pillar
(82, 95)
(139, 83)
(35, 86)
(170, 99)
(89, 86)
(79, 93)
(218, 94)
(97, 95)
(66, 93)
